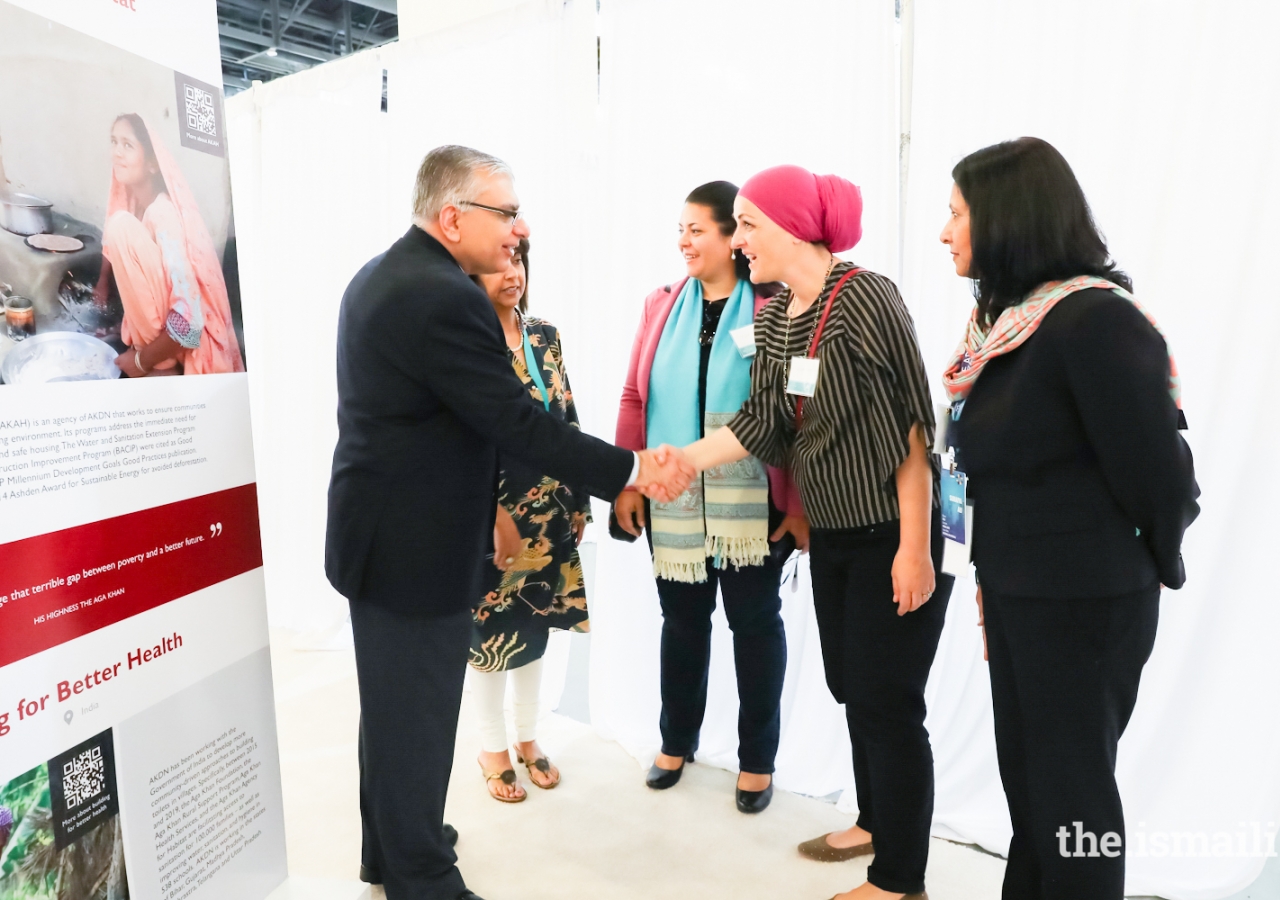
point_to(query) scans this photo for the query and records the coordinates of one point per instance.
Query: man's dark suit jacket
(426, 399)
(1081, 484)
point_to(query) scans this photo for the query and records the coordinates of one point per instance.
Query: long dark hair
(718, 196)
(521, 252)
(1029, 223)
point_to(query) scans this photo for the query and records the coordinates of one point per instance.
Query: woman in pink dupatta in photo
(177, 318)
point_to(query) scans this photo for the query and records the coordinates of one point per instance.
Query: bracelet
(137, 361)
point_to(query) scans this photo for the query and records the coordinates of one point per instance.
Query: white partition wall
(692, 92)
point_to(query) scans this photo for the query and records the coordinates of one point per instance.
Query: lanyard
(817, 332)
(535, 370)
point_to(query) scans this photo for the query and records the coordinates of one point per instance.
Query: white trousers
(488, 692)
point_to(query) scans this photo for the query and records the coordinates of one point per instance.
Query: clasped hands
(665, 473)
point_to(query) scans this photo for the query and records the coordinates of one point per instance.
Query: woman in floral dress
(536, 584)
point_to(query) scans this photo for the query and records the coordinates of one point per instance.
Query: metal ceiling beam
(302, 19)
(386, 6)
(262, 40)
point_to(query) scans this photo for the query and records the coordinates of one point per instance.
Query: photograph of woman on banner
(157, 249)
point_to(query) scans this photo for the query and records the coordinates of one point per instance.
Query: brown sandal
(543, 765)
(508, 777)
(818, 849)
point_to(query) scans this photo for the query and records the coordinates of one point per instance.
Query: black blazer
(426, 399)
(1081, 484)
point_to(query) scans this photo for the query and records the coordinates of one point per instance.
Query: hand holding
(127, 362)
(913, 580)
(665, 474)
(629, 508)
(798, 526)
(506, 540)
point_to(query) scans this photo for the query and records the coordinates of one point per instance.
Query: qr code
(83, 777)
(200, 111)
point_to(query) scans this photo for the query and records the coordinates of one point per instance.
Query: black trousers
(410, 671)
(753, 607)
(1064, 680)
(877, 663)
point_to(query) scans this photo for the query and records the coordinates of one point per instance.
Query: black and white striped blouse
(871, 390)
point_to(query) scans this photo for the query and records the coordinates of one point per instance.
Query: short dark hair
(1029, 223)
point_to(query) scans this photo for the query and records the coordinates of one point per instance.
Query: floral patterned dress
(544, 589)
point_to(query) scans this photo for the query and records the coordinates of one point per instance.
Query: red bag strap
(817, 333)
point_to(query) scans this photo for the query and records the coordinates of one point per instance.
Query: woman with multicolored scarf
(690, 372)
(1065, 417)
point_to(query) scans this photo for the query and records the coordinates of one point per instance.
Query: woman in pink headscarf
(840, 397)
(177, 319)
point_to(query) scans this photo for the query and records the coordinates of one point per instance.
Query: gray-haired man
(426, 400)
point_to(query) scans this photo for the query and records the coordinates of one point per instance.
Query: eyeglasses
(510, 215)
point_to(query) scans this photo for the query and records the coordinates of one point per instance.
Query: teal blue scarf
(725, 513)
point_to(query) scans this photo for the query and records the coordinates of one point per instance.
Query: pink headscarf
(821, 208)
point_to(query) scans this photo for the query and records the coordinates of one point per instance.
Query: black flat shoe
(660, 779)
(450, 835)
(754, 801)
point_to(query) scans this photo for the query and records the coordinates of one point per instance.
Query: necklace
(786, 346)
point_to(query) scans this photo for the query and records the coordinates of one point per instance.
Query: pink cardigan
(635, 393)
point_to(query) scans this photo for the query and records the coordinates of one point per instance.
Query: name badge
(803, 379)
(954, 488)
(957, 523)
(745, 339)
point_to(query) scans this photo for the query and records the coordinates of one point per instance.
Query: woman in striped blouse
(839, 394)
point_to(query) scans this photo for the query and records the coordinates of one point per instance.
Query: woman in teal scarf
(690, 372)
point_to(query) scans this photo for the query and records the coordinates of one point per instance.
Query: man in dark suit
(427, 399)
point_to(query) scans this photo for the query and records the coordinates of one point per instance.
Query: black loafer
(754, 801)
(450, 835)
(660, 779)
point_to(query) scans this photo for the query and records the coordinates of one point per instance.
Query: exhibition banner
(138, 754)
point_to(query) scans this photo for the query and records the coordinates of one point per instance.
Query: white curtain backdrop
(1168, 116)
(692, 92)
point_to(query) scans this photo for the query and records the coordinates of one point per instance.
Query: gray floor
(1267, 887)
(611, 838)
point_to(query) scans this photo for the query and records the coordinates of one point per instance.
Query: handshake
(665, 473)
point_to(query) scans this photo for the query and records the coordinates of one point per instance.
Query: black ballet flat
(660, 779)
(755, 801)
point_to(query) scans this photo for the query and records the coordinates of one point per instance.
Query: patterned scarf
(725, 513)
(1017, 323)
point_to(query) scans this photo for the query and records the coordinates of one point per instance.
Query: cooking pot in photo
(25, 214)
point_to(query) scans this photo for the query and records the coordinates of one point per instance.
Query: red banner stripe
(58, 586)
